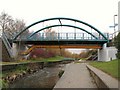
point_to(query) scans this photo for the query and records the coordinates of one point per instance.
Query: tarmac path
(76, 75)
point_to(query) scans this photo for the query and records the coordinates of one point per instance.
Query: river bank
(17, 73)
(44, 78)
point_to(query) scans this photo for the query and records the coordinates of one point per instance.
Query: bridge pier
(18, 49)
(107, 53)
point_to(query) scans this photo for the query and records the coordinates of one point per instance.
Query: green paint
(61, 18)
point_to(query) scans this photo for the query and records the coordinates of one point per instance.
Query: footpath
(82, 75)
(76, 76)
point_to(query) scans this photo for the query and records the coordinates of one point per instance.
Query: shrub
(61, 73)
(117, 45)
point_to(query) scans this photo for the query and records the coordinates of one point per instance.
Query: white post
(107, 53)
(15, 50)
(102, 53)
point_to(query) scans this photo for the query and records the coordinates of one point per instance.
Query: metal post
(114, 25)
(67, 36)
(91, 32)
(75, 32)
(58, 36)
(83, 35)
(74, 35)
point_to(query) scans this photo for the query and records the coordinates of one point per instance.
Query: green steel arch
(61, 18)
(62, 25)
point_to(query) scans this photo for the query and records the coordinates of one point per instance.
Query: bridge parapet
(63, 36)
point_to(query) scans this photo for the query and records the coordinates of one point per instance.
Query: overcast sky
(98, 13)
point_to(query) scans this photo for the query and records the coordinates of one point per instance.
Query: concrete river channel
(46, 77)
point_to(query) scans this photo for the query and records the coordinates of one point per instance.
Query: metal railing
(7, 44)
(66, 36)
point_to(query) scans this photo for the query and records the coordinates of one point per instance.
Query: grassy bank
(52, 59)
(110, 67)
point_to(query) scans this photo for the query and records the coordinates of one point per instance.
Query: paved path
(76, 76)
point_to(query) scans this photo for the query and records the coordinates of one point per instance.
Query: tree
(117, 45)
(50, 34)
(5, 19)
(87, 53)
(10, 26)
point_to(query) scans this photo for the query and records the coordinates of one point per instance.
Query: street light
(114, 24)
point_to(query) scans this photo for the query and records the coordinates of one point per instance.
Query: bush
(3, 84)
(118, 55)
(117, 45)
(61, 73)
(41, 53)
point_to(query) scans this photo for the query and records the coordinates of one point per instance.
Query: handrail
(65, 36)
(7, 44)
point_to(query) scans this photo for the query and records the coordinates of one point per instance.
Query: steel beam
(62, 46)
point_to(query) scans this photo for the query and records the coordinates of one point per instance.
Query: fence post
(67, 35)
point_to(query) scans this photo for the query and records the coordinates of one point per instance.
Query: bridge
(84, 35)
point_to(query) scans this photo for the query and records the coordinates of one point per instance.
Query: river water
(44, 78)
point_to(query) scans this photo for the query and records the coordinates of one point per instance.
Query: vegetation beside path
(110, 67)
(52, 59)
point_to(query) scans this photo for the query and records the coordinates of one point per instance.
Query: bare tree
(15, 27)
(4, 21)
(10, 26)
(50, 34)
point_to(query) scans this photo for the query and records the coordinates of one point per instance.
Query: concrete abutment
(107, 53)
(18, 49)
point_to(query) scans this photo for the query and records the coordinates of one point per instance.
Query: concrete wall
(112, 53)
(17, 49)
(107, 54)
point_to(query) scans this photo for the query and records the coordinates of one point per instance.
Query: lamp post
(114, 25)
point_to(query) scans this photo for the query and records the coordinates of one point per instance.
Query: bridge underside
(69, 46)
(64, 42)
(61, 46)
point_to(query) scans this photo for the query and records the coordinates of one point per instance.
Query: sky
(98, 13)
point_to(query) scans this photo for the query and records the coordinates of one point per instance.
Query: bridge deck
(61, 42)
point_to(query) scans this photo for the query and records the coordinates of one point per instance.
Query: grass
(3, 84)
(83, 59)
(22, 68)
(110, 67)
(19, 69)
(52, 59)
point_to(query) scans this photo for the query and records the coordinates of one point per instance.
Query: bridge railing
(7, 44)
(66, 36)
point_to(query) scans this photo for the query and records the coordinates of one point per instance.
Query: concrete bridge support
(18, 49)
(107, 53)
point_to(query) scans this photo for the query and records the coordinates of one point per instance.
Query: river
(44, 78)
